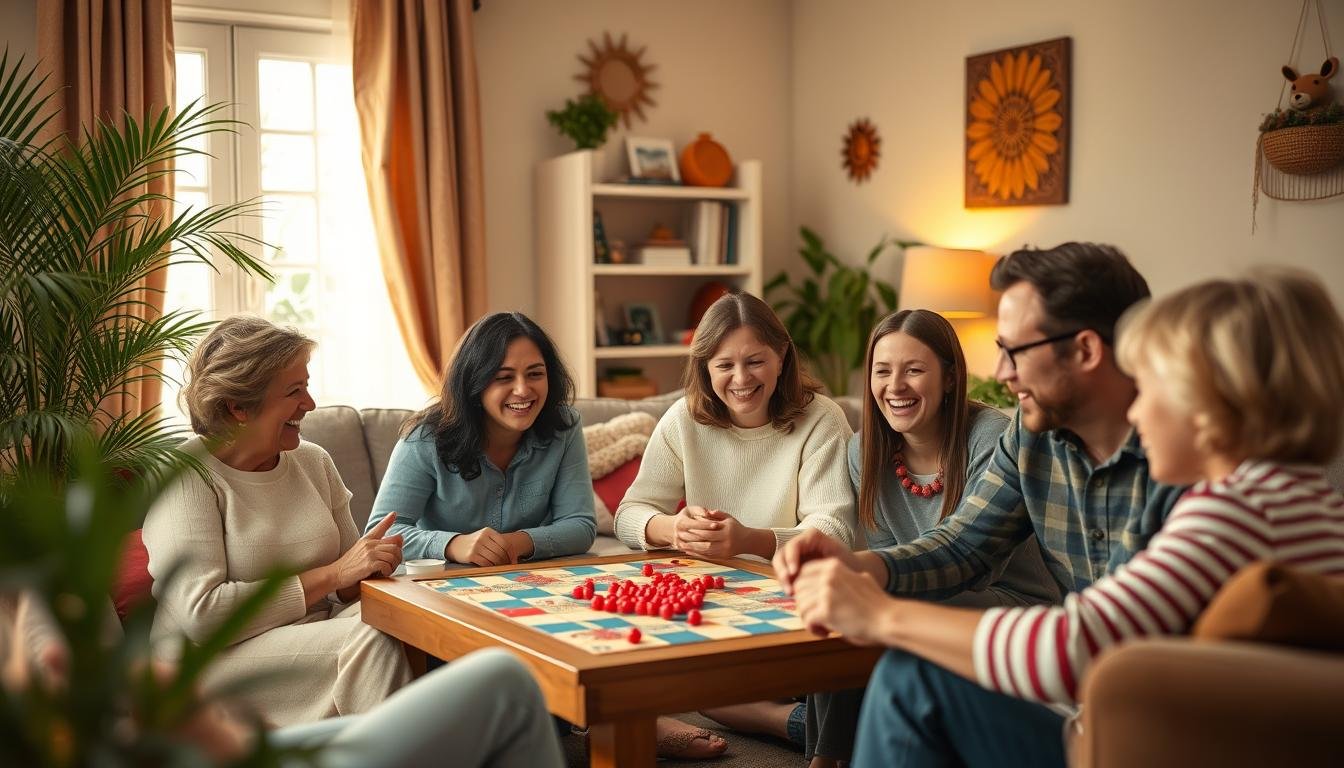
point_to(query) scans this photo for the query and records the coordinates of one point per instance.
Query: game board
(749, 604)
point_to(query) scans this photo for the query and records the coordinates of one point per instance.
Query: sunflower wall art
(862, 149)
(1017, 125)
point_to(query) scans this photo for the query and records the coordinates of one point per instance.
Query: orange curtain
(110, 58)
(419, 114)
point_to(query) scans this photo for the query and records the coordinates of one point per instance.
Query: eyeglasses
(1011, 352)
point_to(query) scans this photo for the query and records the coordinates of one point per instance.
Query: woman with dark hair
(496, 471)
(759, 457)
(920, 443)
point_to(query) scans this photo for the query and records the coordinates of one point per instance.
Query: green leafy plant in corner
(830, 312)
(78, 236)
(585, 121)
(990, 391)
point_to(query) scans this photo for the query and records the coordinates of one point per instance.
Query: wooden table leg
(623, 744)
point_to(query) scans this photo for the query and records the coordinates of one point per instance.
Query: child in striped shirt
(1238, 392)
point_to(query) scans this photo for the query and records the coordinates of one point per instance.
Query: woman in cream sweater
(758, 456)
(266, 501)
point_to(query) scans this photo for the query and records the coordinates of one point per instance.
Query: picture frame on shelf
(652, 160)
(643, 317)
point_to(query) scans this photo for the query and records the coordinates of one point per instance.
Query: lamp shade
(952, 282)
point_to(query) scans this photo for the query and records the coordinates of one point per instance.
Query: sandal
(693, 744)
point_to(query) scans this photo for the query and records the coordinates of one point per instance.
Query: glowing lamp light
(952, 282)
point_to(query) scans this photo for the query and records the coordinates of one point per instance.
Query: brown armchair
(1260, 682)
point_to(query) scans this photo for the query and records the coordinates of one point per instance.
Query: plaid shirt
(1089, 520)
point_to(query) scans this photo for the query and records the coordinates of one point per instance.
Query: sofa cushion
(1272, 603)
(133, 582)
(382, 429)
(337, 428)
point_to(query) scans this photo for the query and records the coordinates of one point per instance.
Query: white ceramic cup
(425, 565)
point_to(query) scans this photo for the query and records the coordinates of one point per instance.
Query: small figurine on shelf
(617, 252)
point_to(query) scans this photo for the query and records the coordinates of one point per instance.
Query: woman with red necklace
(921, 441)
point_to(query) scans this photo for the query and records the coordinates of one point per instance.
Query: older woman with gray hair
(269, 500)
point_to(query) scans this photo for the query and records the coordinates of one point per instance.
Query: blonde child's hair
(1258, 361)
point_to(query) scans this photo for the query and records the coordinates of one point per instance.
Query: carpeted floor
(743, 751)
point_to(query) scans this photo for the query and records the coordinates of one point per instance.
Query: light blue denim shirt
(545, 491)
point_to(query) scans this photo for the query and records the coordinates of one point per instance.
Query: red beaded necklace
(911, 486)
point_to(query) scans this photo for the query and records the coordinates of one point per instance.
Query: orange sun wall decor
(1017, 125)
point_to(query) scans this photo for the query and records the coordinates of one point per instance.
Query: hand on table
(832, 596)
(374, 554)
(484, 547)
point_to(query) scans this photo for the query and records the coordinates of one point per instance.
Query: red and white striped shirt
(1262, 511)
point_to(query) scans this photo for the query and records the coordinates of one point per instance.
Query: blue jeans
(916, 713)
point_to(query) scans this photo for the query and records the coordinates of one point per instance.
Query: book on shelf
(730, 253)
(664, 253)
(710, 225)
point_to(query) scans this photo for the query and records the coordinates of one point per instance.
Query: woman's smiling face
(743, 373)
(908, 383)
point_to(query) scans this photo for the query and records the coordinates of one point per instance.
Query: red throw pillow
(133, 580)
(611, 489)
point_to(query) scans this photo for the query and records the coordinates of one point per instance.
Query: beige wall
(1167, 97)
(723, 67)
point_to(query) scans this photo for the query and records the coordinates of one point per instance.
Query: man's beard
(1058, 412)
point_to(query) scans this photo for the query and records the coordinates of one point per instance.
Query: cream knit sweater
(224, 535)
(228, 534)
(762, 477)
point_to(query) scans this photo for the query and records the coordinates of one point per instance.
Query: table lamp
(952, 282)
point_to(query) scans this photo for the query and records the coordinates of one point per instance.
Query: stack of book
(664, 253)
(713, 229)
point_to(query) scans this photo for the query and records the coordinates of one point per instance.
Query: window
(298, 152)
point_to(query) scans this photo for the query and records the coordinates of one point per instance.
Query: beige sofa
(360, 443)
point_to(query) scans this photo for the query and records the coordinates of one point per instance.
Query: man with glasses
(1069, 469)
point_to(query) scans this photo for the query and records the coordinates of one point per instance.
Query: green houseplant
(77, 240)
(990, 391)
(830, 311)
(585, 121)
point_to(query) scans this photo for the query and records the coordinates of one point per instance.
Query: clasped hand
(488, 547)
(708, 532)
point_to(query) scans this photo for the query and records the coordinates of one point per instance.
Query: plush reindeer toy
(1311, 91)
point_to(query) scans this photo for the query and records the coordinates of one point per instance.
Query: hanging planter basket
(1304, 149)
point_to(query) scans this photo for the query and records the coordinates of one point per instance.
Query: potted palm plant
(77, 240)
(78, 235)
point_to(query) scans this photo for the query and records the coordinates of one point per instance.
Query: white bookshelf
(566, 196)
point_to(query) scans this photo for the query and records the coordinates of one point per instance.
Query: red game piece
(698, 600)
(587, 591)
(693, 618)
(627, 606)
(578, 591)
(718, 582)
(665, 611)
(634, 635)
(648, 569)
(599, 603)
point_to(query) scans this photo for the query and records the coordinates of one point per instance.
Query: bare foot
(683, 741)
(769, 717)
(824, 762)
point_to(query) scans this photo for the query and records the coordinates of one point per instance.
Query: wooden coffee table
(617, 696)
